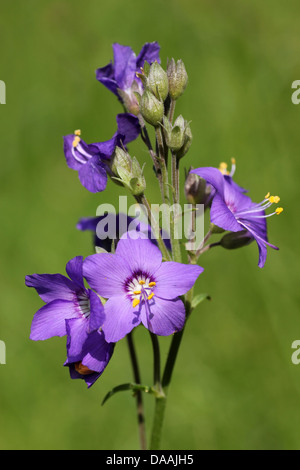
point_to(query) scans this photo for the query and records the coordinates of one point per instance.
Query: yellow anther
(137, 292)
(279, 210)
(77, 132)
(267, 196)
(141, 282)
(233, 161)
(223, 168)
(152, 284)
(135, 302)
(76, 141)
(151, 296)
(274, 199)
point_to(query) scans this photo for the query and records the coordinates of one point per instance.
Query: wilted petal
(149, 52)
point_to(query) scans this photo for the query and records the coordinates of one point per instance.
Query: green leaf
(198, 299)
(128, 386)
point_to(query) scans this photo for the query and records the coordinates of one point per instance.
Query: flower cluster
(138, 277)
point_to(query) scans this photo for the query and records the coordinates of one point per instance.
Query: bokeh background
(234, 386)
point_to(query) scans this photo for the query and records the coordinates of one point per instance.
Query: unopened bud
(127, 171)
(175, 134)
(234, 240)
(188, 138)
(178, 78)
(157, 81)
(151, 108)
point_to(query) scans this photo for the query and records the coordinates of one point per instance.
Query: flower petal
(164, 317)
(149, 52)
(121, 318)
(76, 329)
(74, 270)
(221, 216)
(125, 65)
(49, 320)
(51, 286)
(93, 175)
(96, 352)
(139, 253)
(97, 315)
(175, 279)
(212, 176)
(72, 162)
(128, 126)
(106, 75)
(106, 273)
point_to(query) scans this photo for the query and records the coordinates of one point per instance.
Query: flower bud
(234, 240)
(127, 171)
(174, 135)
(151, 108)
(157, 81)
(188, 137)
(178, 78)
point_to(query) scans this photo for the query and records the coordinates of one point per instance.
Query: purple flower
(91, 160)
(140, 288)
(116, 226)
(120, 76)
(232, 210)
(70, 307)
(92, 360)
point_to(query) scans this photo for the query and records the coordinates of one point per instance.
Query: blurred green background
(234, 385)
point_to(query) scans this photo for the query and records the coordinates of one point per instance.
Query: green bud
(215, 229)
(178, 78)
(151, 108)
(188, 137)
(157, 81)
(234, 240)
(127, 171)
(174, 135)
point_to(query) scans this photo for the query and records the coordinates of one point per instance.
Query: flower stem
(164, 170)
(160, 402)
(175, 183)
(172, 110)
(144, 201)
(139, 399)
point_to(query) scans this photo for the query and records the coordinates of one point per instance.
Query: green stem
(147, 141)
(156, 363)
(152, 221)
(174, 217)
(139, 399)
(160, 402)
(164, 170)
(172, 110)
